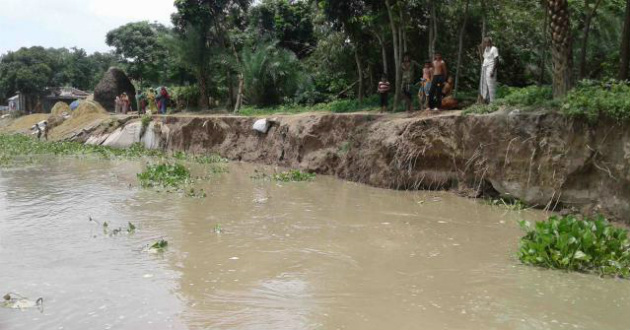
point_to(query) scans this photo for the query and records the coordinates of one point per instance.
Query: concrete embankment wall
(543, 159)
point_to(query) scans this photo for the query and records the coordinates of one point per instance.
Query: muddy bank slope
(543, 159)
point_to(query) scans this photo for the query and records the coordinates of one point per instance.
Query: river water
(326, 254)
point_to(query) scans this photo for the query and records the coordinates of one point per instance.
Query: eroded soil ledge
(544, 159)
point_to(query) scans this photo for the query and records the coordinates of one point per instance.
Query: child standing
(383, 89)
(427, 77)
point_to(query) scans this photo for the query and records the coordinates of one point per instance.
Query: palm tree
(561, 46)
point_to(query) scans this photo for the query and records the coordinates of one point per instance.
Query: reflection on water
(321, 255)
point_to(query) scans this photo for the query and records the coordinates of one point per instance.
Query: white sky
(72, 23)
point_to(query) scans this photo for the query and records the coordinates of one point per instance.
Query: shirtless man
(440, 71)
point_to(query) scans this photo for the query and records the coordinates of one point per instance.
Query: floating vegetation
(218, 229)
(16, 301)
(288, 176)
(590, 246)
(512, 204)
(131, 228)
(159, 246)
(293, 176)
(12, 146)
(196, 193)
(17, 145)
(164, 175)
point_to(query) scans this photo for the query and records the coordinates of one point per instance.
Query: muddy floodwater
(323, 255)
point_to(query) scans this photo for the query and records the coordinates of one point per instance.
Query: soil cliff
(544, 159)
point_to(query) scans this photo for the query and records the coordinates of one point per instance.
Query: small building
(62, 94)
(16, 102)
(44, 102)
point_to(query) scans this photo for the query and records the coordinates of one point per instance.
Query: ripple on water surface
(321, 255)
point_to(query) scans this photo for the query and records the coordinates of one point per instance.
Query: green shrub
(164, 175)
(593, 100)
(593, 246)
(528, 96)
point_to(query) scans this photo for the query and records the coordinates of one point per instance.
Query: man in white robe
(488, 81)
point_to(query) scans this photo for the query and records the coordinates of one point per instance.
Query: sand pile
(88, 114)
(60, 108)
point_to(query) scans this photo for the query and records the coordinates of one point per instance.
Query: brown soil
(543, 159)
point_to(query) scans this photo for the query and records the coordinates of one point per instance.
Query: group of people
(122, 103)
(435, 86)
(151, 100)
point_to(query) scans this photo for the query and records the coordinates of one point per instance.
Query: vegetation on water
(293, 176)
(509, 203)
(164, 175)
(567, 243)
(17, 146)
(286, 176)
(159, 245)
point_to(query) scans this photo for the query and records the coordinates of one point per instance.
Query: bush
(593, 246)
(528, 96)
(593, 100)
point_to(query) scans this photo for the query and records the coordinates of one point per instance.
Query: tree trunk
(585, 33)
(461, 47)
(433, 27)
(397, 56)
(381, 40)
(360, 73)
(484, 27)
(561, 46)
(203, 90)
(240, 92)
(371, 79)
(543, 53)
(625, 46)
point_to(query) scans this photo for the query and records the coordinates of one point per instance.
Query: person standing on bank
(488, 81)
(408, 75)
(383, 89)
(440, 72)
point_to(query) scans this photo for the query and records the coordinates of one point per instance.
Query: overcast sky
(72, 23)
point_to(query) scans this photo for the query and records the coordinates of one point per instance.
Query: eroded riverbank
(326, 254)
(543, 159)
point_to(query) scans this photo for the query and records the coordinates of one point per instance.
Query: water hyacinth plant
(164, 175)
(293, 176)
(591, 246)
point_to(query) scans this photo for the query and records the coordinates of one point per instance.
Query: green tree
(138, 45)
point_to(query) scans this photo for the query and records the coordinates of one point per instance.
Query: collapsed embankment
(543, 159)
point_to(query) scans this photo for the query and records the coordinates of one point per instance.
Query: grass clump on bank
(338, 106)
(591, 100)
(591, 246)
(164, 175)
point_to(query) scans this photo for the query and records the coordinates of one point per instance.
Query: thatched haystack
(114, 83)
(60, 108)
